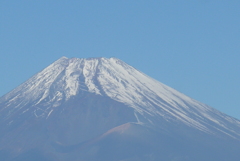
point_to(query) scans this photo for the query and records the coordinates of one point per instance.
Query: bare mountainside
(100, 109)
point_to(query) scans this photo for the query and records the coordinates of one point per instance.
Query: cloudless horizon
(191, 46)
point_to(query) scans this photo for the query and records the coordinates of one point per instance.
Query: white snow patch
(49, 113)
(138, 121)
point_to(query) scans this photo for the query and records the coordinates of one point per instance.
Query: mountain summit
(104, 109)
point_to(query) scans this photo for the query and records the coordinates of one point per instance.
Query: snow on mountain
(150, 99)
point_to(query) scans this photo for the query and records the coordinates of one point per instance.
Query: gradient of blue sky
(190, 45)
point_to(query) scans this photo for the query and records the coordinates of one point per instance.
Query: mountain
(100, 109)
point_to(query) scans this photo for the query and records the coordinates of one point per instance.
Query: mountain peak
(80, 108)
(63, 57)
(110, 77)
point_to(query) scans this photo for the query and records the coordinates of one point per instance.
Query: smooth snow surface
(65, 78)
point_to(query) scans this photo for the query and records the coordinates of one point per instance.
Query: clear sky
(190, 45)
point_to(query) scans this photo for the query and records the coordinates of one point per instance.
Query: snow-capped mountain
(79, 103)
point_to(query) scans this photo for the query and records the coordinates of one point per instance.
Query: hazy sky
(190, 45)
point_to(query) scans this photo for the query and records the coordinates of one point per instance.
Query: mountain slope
(73, 101)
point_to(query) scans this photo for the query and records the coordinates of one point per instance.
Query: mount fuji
(101, 109)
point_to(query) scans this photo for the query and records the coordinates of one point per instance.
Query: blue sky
(190, 45)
